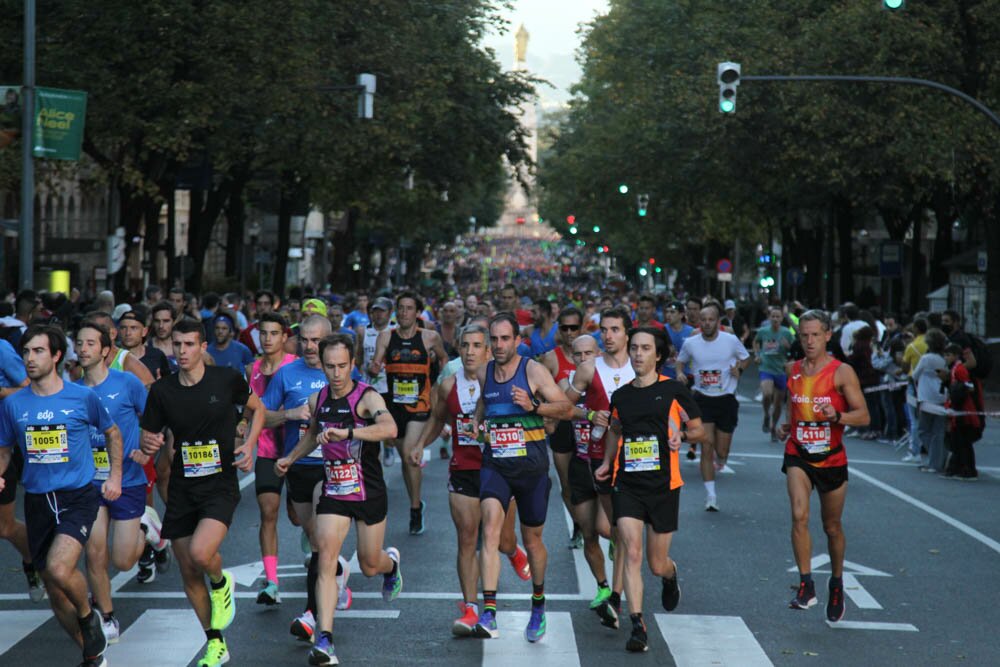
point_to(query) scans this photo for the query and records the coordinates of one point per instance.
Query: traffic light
(570, 219)
(643, 272)
(766, 281)
(659, 270)
(643, 201)
(729, 79)
(893, 4)
(600, 249)
(652, 260)
(623, 189)
(573, 230)
(597, 229)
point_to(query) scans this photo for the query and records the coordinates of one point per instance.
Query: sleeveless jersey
(267, 443)
(408, 372)
(466, 453)
(118, 363)
(371, 337)
(516, 443)
(606, 382)
(566, 365)
(581, 427)
(812, 438)
(352, 469)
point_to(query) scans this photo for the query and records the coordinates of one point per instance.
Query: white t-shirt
(847, 335)
(709, 362)
(929, 385)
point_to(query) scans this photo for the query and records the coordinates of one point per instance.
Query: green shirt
(774, 346)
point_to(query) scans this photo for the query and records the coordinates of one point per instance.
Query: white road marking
(867, 625)
(173, 636)
(123, 578)
(247, 481)
(859, 596)
(301, 595)
(16, 625)
(711, 640)
(556, 649)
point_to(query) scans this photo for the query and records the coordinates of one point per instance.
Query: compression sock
(311, 578)
(490, 601)
(538, 594)
(806, 578)
(271, 568)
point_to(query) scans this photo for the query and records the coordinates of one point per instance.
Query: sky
(552, 25)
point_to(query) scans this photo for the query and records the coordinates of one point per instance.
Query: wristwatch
(534, 404)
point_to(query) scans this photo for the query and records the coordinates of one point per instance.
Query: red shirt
(813, 439)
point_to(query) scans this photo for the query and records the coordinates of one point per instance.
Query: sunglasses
(569, 327)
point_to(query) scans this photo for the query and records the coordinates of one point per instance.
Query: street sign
(724, 266)
(890, 260)
(795, 276)
(724, 277)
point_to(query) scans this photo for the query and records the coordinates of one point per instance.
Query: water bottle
(597, 432)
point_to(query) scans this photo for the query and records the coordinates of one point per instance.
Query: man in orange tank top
(824, 396)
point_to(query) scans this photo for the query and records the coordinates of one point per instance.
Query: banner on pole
(59, 122)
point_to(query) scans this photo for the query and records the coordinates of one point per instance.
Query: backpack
(984, 358)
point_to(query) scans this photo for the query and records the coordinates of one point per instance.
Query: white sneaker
(911, 458)
(725, 470)
(344, 596)
(304, 626)
(151, 521)
(711, 504)
(388, 456)
(111, 630)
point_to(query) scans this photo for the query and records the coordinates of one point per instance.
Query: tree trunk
(285, 208)
(845, 225)
(917, 296)
(205, 210)
(235, 224)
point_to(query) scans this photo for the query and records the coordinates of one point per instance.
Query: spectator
(931, 421)
(964, 430)
(860, 359)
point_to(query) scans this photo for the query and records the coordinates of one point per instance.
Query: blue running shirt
(124, 397)
(290, 388)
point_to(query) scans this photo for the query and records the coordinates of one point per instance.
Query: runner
(824, 396)
(198, 404)
(543, 331)
(717, 359)
(379, 313)
(49, 421)
(559, 361)
(515, 464)
(119, 359)
(645, 313)
(163, 316)
(678, 331)
(265, 302)
(642, 463)
(124, 397)
(271, 335)
(133, 332)
(598, 380)
(585, 508)
(287, 404)
(12, 379)
(225, 350)
(405, 355)
(771, 346)
(348, 421)
(455, 406)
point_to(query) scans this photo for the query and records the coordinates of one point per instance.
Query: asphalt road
(923, 555)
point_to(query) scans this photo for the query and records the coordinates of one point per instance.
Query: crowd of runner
(106, 405)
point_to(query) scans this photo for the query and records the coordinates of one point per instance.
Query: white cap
(730, 304)
(120, 310)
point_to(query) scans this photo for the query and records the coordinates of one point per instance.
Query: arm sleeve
(240, 388)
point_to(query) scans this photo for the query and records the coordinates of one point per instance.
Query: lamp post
(26, 229)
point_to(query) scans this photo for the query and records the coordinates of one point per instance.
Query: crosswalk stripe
(711, 640)
(556, 649)
(173, 636)
(16, 625)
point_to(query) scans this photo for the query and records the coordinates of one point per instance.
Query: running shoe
(602, 596)
(766, 426)
(392, 584)
(322, 652)
(304, 626)
(151, 525)
(162, 558)
(711, 504)
(486, 628)
(36, 589)
(388, 455)
(519, 561)
(111, 629)
(691, 453)
(576, 541)
(216, 653)
(223, 604)
(536, 624)
(344, 595)
(269, 594)
(94, 641)
(911, 458)
(609, 614)
(805, 598)
(670, 596)
(147, 571)
(417, 519)
(835, 606)
(444, 453)
(638, 642)
(99, 662)
(465, 626)
(723, 469)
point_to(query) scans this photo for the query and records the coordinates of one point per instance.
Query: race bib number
(102, 463)
(405, 392)
(814, 437)
(642, 454)
(316, 453)
(466, 430)
(507, 441)
(342, 478)
(581, 436)
(771, 347)
(201, 460)
(710, 380)
(47, 444)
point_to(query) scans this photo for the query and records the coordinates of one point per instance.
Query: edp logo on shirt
(46, 415)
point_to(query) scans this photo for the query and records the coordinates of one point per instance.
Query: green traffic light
(597, 229)
(623, 189)
(893, 4)
(642, 213)
(572, 230)
(727, 106)
(659, 270)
